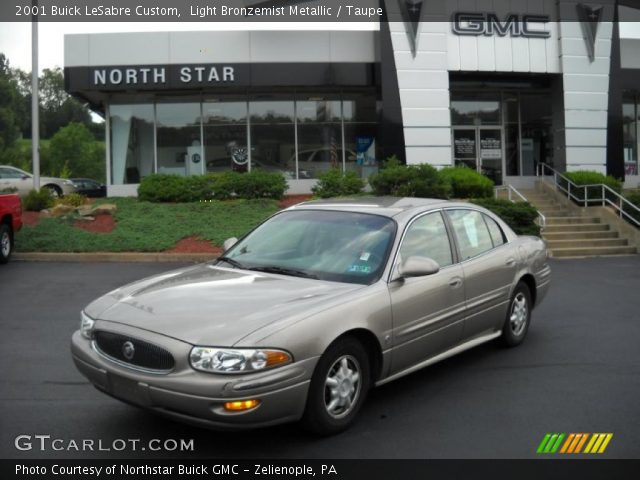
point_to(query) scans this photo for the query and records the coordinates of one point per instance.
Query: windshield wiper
(232, 262)
(284, 271)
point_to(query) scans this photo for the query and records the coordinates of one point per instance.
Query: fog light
(241, 405)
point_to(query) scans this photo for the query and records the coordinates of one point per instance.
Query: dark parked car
(90, 188)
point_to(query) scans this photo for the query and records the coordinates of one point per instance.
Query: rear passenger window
(495, 231)
(471, 232)
(427, 237)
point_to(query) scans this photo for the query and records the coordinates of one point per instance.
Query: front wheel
(54, 190)
(6, 243)
(338, 387)
(518, 318)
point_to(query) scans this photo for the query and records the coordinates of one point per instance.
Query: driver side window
(427, 237)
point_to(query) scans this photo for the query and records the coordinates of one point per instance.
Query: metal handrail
(585, 201)
(511, 190)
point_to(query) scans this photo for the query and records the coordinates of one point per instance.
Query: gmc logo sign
(488, 24)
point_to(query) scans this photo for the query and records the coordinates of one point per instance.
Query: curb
(112, 257)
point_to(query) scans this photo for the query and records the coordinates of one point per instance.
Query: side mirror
(228, 243)
(417, 267)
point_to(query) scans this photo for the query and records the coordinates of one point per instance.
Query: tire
(516, 325)
(6, 243)
(56, 191)
(343, 356)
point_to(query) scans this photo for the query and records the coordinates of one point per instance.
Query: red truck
(10, 222)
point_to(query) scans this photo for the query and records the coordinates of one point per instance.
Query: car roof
(385, 206)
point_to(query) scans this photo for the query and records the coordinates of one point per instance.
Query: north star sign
(162, 76)
(489, 24)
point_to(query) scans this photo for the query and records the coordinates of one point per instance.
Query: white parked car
(12, 177)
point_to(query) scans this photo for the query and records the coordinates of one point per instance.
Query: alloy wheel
(342, 386)
(519, 314)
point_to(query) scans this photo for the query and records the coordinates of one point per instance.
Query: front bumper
(196, 397)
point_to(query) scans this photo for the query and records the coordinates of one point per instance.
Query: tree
(74, 149)
(11, 106)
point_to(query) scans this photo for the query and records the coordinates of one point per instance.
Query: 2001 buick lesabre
(302, 316)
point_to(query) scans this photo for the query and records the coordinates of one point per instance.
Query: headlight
(86, 326)
(241, 360)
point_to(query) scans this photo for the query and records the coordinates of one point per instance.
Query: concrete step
(592, 251)
(565, 220)
(593, 242)
(598, 234)
(573, 227)
(556, 212)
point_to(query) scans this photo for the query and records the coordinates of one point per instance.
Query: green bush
(260, 184)
(335, 183)
(221, 186)
(398, 180)
(587, 177)
(72, 199)
(520, 216)
(467, 183)
(8, 190)
(38, 200)
(634, 198)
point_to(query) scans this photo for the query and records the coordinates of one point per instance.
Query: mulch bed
(195, 245)
(30, 218)
(291, 200)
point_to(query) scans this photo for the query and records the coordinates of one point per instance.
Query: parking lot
(578, 371)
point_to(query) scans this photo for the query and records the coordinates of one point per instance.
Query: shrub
(8, 190)
(335, 183)
(520, 216)
(634, 198)
(221, 186)
(409, 181)
(587, 177)
(72, 199)
(467, 183)
(38, 200)
(260, 184)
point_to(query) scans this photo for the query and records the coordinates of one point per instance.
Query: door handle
(455, 282)
(510, 262)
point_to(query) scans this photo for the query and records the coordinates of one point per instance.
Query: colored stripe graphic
(573, 443)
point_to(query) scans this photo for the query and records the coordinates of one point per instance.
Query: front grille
(145, 355)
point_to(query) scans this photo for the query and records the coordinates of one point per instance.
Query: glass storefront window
(225, 136)
(239, 134)
(360, 129)
(319, 136)
(132, 143)
(475, 111)
(273, 136)
(631, 137)
(178, 137)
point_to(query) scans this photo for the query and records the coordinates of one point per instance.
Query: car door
(12, 178)
(489, 264)
(428, 312)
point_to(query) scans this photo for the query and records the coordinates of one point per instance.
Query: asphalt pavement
(578, 371)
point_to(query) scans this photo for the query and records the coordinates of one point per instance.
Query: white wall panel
(586, 156)
(423, 79)
(76, 50)
(427, 136)
(586, 118)
(437, 156)
(468, 53)
(585, 101)
(128, 49)
(209, 47)
(290, 46)
(585, 137)
(426, 117)
(425, 98)
(423, 60)
(580, 82)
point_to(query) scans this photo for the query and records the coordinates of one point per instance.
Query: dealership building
(498, 91)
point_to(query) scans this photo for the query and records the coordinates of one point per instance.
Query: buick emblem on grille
(128, 350)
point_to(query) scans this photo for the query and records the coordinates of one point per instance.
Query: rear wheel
(518, 318)
(338, 387)
(6, 243)
(54, 190)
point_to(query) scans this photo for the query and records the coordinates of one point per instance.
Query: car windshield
(327, 245)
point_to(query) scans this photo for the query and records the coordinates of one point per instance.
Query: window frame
(455, 239)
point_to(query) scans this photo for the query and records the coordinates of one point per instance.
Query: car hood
(209, 305)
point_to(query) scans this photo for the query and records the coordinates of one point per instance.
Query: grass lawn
(148, 227)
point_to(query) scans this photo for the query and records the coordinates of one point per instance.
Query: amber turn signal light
(241, 405)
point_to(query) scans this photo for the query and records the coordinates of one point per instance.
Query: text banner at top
(282, 10)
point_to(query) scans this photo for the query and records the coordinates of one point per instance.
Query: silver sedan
(302, 316)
